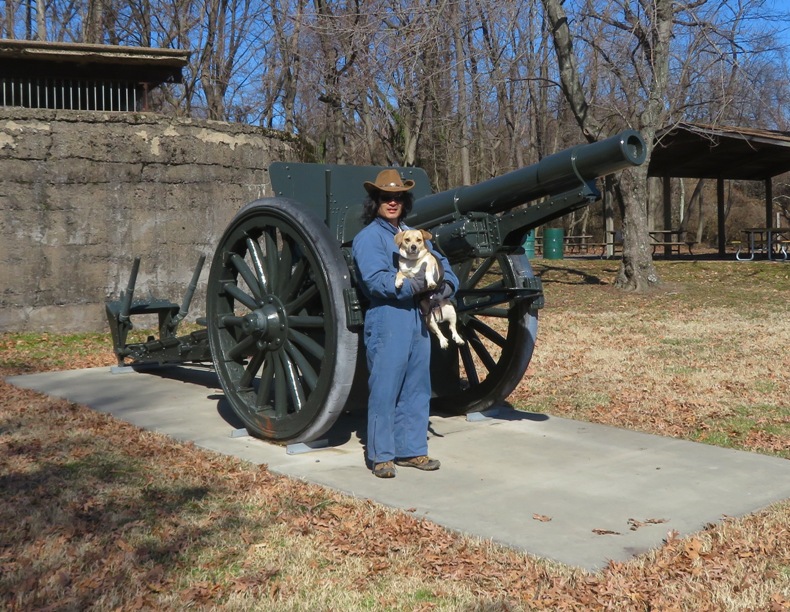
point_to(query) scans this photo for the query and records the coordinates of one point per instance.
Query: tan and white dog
(414, 255)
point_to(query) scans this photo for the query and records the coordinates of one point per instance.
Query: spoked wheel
(277, 323)
(499, 340)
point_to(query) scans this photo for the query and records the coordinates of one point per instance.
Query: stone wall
(82, 193)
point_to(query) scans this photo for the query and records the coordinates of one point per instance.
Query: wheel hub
(268, 324)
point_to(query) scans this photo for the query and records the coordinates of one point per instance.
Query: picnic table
(763, 240)
(671, 239)
(578, 244)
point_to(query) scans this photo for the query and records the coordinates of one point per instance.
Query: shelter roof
(688, 150)
(30, 59)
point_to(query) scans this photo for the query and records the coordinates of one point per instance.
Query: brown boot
(423, 462)
(384, 470)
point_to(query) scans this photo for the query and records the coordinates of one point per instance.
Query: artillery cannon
(283, 315)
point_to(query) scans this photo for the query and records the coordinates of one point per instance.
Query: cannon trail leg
(187, 301)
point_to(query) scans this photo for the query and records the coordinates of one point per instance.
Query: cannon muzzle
(553, 175)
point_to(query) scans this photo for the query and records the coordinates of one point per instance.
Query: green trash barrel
(553, 240)
(529, 244)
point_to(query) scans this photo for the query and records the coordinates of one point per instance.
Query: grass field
(97, 514)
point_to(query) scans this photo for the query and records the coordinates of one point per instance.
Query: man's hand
(443, 291)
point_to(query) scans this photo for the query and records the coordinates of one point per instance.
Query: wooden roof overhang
(688, 150)
(30, 59)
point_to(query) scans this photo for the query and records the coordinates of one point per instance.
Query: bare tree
(646, 81)
(651, 32)
(226, 27)
(281, 79)
(9, 18)
(458, 27)
(92, 22)
(465, 88)
(503, 40)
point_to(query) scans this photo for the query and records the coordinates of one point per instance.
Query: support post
(668, 211)
(608, 216)
(720, 215)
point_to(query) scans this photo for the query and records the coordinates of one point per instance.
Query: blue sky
(782, 10)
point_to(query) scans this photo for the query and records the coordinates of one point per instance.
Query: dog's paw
(443, 342)
(399, 280)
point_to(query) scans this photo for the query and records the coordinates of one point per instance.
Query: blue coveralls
(398, 348)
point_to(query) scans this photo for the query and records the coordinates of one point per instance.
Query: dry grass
(704, 358)
(97, 514)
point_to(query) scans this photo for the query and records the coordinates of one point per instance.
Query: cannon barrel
(552, 175)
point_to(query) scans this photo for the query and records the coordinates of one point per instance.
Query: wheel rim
(499, 340)
(274, 327)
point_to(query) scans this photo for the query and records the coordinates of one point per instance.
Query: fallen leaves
(169, 526)
(605, 532)
(636, 524)
(184, 494)
(202, 592)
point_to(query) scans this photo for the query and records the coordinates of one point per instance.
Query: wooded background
(467, 89)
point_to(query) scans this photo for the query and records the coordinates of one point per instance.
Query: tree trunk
(463, 105)
(41, 27)
(10, 9)
(91, 32)
(637, 272)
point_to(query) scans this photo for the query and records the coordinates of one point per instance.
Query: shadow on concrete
(226, 412)
(501, 412)
(195, 374)
(350, 424)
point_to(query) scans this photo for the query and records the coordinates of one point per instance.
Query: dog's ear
(426, 235)
(399, 238)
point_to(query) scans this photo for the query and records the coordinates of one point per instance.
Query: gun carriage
(283, 317)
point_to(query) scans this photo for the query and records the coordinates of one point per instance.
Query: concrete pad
(499, 476)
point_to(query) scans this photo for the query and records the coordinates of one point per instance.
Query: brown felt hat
(388, 180)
